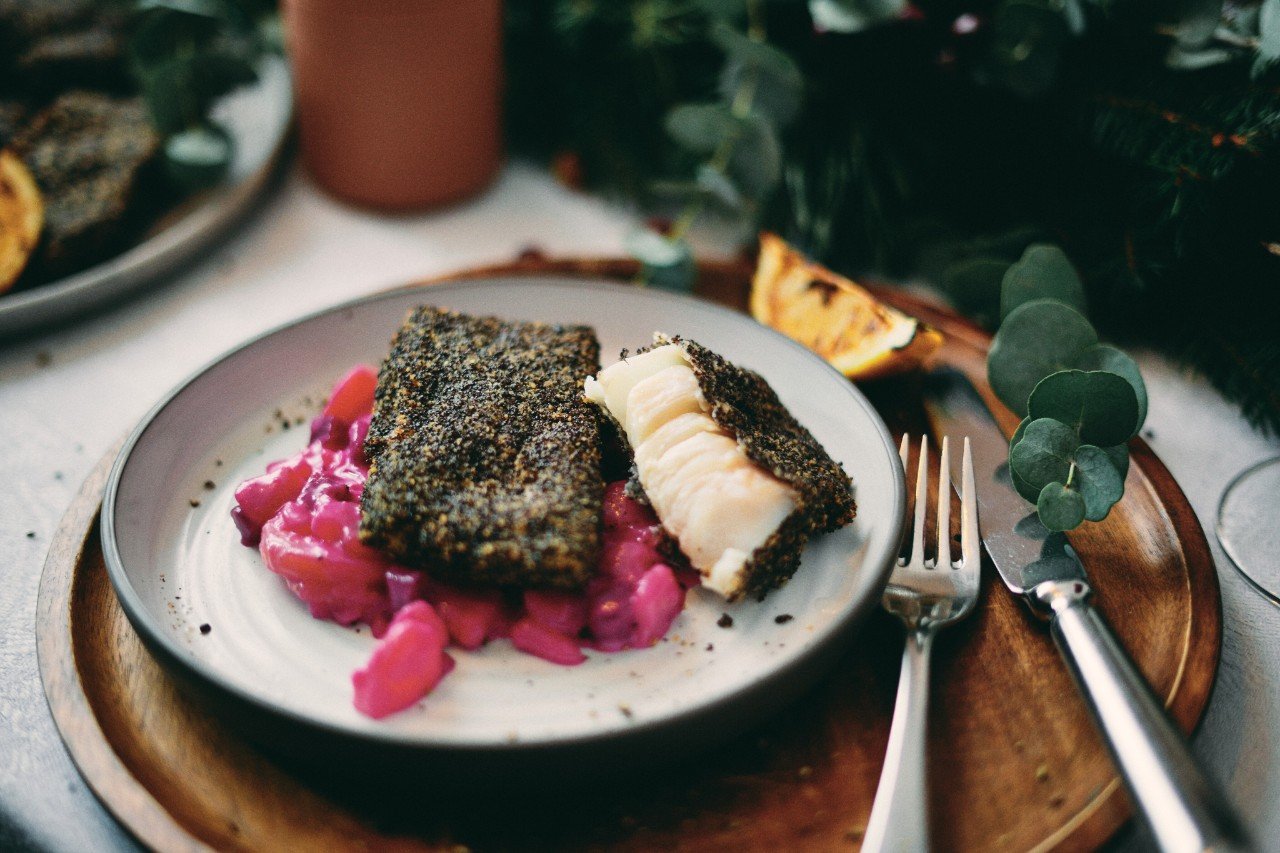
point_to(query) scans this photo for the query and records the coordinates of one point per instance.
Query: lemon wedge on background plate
(21, 218)
(860, 336)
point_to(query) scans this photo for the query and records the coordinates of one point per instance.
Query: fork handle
(1184, 810)
(900, 814)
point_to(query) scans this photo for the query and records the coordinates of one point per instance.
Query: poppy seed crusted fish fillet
(733, 477)
(484, 458)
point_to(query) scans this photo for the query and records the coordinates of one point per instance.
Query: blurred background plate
(257, 117)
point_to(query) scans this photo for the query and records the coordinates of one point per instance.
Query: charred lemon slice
(831, 315)
(21, 218)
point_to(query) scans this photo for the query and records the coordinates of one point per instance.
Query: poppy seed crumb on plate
(206, 628)
(783, 618)
(725, 621)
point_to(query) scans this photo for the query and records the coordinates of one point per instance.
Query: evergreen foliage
(941, 140)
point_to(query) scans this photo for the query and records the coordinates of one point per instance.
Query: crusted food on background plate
(734, 478)
(484, 458)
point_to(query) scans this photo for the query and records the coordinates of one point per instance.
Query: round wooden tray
(1015, 762)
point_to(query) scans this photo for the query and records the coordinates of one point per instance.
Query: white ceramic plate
(257, 117)
(177, 566)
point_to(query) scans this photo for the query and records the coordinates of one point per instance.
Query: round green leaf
(756, 163)
(716, 185)
(1036, 339)
(1020, 485)
(1112, 360)
(1101, 406)
(665, 263)
(1100, 484)
(1060, 508)
(1043, 454)
(700, 127)
(1119, 456)
(776, 81)
(1043, 272)
(198, 157)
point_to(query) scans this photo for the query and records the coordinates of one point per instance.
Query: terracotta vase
(398, 101)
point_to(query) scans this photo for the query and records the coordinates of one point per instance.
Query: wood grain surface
(1014, 762)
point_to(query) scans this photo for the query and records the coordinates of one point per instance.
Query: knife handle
(1185, 812)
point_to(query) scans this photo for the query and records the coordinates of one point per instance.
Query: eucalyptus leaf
(1026, 39)
(853, 16)
(1060, 508)
(1268, 36)
(700, 128)
(1036, 339)
(1119, 456)
(198, 157)
(756, 162)
(1101, 406)
(1020, 485)
(973, 285)
(716, 184)
(1043, 272)
(1112, 360)
(1098, 481)
(665, 264)
(1044, 453)
(777, 91)
(769, 77)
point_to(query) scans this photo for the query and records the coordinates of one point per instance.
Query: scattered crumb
(194, 503)
(209, 485)
(626, 710)
(1042, 773)
(1019, 745)
(1057, 801)
(206, 628)
(711, 647)
(44, 358)
(57, 475)
(217, 463)
(855, 833)
(31, 534)
(1148, 434)
(805, 772)
(783, 618)
(725, 621)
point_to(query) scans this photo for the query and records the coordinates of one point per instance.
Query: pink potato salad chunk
(303, 516)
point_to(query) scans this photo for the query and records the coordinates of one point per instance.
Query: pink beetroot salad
(303, 515)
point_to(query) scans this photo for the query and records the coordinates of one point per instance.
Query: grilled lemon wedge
(860, 336)
(21, 218)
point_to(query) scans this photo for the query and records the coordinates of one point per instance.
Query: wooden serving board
(1015, 764)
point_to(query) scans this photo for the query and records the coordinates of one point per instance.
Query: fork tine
(922, 503)
(970, 548)
(904, 450)
(943, 560)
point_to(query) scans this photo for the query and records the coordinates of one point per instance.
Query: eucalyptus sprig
(736, 138)
(1081, 400)
(185, 55)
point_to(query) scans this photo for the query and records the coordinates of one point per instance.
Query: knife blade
(1184, 811)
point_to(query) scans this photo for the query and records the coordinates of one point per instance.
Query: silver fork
(925, 595)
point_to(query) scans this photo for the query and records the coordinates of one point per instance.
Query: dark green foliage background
(918, 149)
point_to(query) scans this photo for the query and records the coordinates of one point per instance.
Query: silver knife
(1184, 810)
